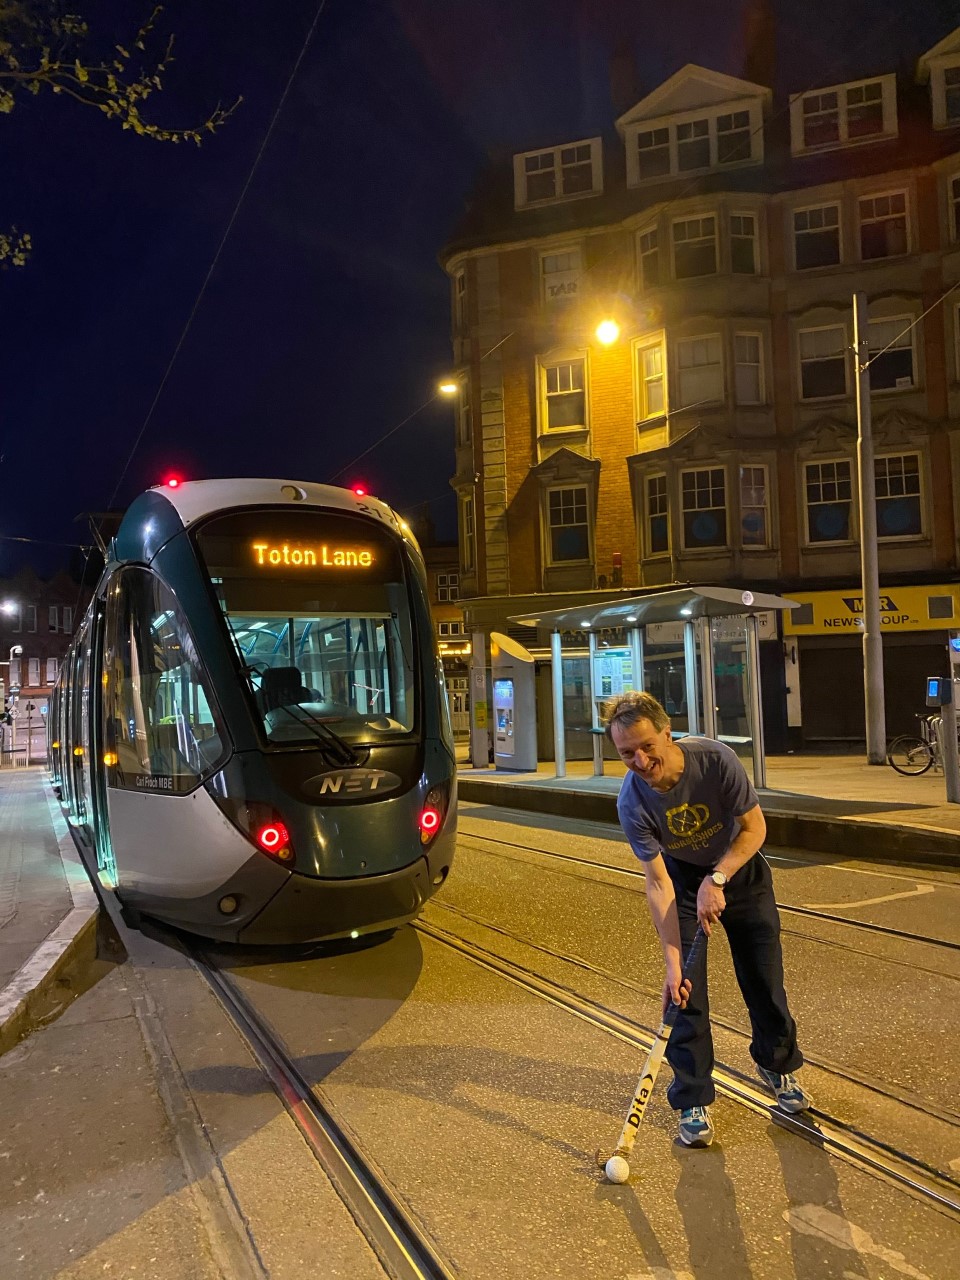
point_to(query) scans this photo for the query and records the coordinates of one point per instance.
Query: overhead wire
(216, 258)
(223, 240)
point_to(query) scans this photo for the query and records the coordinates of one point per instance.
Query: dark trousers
(752, 926)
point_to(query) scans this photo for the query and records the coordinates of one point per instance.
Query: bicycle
(913, 755)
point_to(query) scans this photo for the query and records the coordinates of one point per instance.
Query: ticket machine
(514, 705)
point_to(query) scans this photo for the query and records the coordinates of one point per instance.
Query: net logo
(350, 784)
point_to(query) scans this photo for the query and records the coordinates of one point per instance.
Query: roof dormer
(695, 122)
(567, 172)
(941, 66)
(843, 115)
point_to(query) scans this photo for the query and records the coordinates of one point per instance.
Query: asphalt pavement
(139, 1132)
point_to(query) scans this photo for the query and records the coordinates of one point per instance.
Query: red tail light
(429, 821)
(273, 837)
(433, 813)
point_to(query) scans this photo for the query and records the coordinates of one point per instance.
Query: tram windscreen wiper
(342, 752)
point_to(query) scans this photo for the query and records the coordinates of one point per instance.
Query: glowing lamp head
(448, 387)
(608, 331)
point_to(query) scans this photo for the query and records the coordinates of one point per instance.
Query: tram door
(80, 736)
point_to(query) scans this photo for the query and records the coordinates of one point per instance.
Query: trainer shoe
(787, 1090)
(695, 1127)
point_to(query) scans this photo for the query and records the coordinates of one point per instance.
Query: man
(694, 821)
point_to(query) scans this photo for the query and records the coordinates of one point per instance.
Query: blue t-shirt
(695, 821)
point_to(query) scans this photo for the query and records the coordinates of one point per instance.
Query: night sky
(326, 321)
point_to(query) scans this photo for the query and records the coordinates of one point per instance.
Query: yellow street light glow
(608, 331)
(448, 388)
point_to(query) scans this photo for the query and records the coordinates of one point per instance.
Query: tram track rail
(404, 1250)
(830, 1134)
(631, 873)
(937, 1112)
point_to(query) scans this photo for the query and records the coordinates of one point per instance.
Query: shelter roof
(676, 605)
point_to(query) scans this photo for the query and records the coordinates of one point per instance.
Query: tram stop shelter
(712, 618)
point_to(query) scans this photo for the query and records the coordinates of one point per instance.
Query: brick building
(714, 441)
(38, 617)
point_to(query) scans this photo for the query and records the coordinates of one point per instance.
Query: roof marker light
(172, 482)
(359, 490)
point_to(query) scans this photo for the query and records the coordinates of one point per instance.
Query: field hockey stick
(617, 1166)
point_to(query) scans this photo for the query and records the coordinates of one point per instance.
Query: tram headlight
(433, 813)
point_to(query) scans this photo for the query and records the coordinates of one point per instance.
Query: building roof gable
(689, 88)
(949, 45)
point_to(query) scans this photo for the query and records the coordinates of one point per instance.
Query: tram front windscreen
(318, 607)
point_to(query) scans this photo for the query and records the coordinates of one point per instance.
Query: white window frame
(677, 399)
(543, 368)
(643, 254)
(460, 298)
(888, 99)
(53, 618)
(448, 587)
(708, 470)
(700, 218)
(570, 286)
(662, 497)
(822, 328)
(521, 200)
(31, 618)
(754, 240)
(649, 342)
(920, 495)
(467, 533)
(851, 480)
(795, 232)
(749, 364)
(755, 506)
(53, 670)
(33, 673)
(897, 324)
(671, 123)
(938, 90)
(862, 222)
(67, 619)
(548, 527)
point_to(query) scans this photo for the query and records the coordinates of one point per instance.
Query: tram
(250, 734)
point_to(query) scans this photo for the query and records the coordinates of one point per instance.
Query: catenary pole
(869, 570)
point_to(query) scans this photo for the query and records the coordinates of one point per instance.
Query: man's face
(645, 750)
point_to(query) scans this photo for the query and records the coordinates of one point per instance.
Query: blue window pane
(830, 522)
(569, 544)
(898, 517)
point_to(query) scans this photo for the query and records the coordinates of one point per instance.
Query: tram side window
(159, 718)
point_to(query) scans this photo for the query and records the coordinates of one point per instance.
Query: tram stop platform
(831, 804)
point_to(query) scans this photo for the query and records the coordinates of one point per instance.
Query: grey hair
(626, 709)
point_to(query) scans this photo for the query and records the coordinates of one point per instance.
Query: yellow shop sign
(824, 613)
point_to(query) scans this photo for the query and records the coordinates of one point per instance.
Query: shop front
(823, 658)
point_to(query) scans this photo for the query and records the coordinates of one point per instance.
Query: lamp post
(869, 570)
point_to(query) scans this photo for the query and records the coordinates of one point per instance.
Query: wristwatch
(719, 879)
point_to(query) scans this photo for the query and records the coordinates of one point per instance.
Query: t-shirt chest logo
(687, 819)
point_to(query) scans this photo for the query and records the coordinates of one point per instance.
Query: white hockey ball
(617, 1169)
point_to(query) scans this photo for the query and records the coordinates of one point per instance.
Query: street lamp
(448, 387)
(607, 332)
(9, 607)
